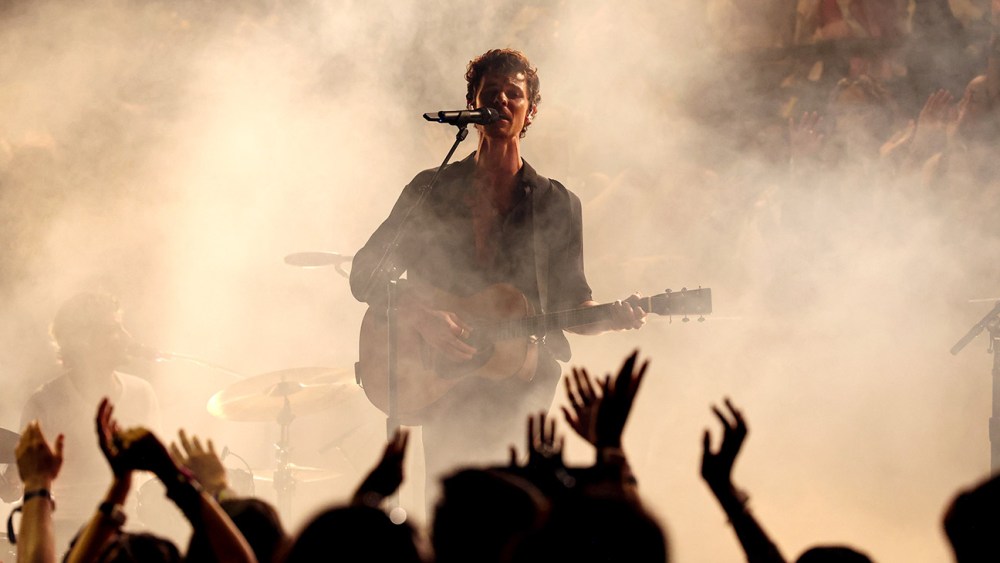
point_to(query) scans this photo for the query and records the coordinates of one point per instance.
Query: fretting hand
(628, 314)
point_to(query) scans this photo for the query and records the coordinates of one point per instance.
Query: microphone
(480, 116)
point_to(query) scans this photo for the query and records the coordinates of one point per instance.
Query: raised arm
(385, 478)
(717, 470)
(204, 463)
(38, 463)
(109, 516)
(368, 282)
(143, 450)
(598, 413)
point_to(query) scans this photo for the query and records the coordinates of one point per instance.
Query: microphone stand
(990, 323)
(386, 265)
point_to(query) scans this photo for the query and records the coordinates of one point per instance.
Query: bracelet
(610, 454)
(28, 495)
(39, 493)
(113, 513)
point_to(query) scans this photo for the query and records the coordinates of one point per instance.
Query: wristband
(610, 454)
(28, 495)
(39, 493)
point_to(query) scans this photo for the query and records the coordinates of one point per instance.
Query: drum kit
(281, 396)
(274, 397)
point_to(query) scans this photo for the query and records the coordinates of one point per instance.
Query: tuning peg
(685, 319)
(701, 319)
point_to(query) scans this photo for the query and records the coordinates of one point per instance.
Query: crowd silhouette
(535, 508)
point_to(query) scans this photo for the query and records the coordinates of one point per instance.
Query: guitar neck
(694, 302)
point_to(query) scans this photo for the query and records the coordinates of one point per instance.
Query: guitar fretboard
(696, 301)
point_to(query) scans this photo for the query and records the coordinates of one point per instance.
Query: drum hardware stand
(990, 323)
(284, 483)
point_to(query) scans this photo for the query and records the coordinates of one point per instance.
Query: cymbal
(8, 442)
(299, 473)
(316, 259)
(320, 259)
(262, 397)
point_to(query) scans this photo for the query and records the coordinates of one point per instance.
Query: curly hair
(506, 61)
(77, 318)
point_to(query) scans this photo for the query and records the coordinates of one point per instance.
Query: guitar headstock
(684, 302)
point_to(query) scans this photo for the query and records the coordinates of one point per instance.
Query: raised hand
(584, 400)
(107, 431)
(544, 449)
(805, 137)
(386, 477)
(938, 111)
(203, 462)
(717, 467)
(141, 449)
(616, 403)
(38, 462)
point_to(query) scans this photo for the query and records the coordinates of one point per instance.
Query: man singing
(491, 219)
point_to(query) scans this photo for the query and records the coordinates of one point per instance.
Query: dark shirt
(480, 417)
(439, 248)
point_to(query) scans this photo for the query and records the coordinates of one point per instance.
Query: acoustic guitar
(505, 332)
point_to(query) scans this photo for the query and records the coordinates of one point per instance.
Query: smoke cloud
(172, 153)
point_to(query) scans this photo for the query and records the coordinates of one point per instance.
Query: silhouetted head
(832, 554)
(88, 329)
(354, 534)
(972, 523)
(256, 520)
(596, 528)
(126, 547)
(483, 514)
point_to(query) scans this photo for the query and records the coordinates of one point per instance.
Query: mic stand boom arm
(991, 323)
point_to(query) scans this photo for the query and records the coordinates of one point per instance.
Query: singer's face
(508, 94)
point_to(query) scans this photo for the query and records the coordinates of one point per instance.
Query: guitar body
(423, 374)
